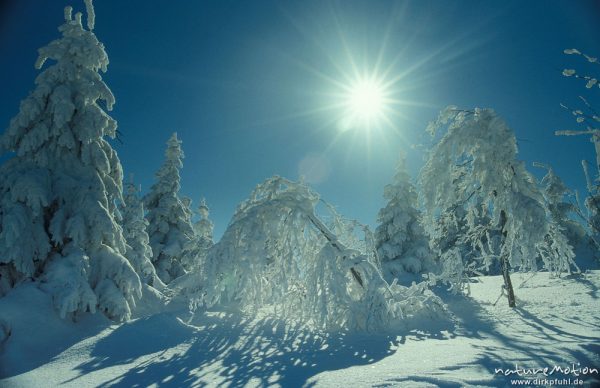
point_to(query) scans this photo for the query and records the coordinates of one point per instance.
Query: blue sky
(250, 87)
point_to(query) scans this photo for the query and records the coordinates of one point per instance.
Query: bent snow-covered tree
(278, 254)
(58, 190)
(400, 239)
(170, 228)
(474, 166)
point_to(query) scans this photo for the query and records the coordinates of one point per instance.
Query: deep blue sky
(243, 83)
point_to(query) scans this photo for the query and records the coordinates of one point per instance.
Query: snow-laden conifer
(59, 188)
(194, 252)
(170, 229)
(139, 252)
(203, 239)
(400, 239)
(278, 254)
(474, 166)
(204, 226)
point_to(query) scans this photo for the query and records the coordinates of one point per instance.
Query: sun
(366, 99)
(365, 102)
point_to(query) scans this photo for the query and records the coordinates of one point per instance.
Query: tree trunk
(507, 283)
(505, 264)
(336, 244)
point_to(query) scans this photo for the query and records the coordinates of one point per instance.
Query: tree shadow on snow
(583, 279)
(231, 350)
(504, 349)
(472, 322)
(408, 381)
(130, 341)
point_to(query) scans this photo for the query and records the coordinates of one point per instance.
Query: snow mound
(34, 332)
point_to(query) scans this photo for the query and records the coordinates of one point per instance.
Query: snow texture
(91, 15)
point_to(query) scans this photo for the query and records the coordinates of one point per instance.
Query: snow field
(555, 324)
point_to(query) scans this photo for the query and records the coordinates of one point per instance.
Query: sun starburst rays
(365, 85)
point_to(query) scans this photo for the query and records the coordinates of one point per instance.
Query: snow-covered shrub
(170, 228)
(400, 239)
(139, 252)
(58, 190)
(474, 167)
(278, 253)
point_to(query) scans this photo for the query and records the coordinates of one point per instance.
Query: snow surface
(555, 324)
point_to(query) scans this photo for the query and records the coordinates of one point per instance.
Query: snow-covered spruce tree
(474, 166)
(169, 217)
(58, 190)
(204, 226)
(589, 118)
(278, 254)
(203, 238)
(139, 252)
(400, 239)
(195, 250)
(189, 259)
